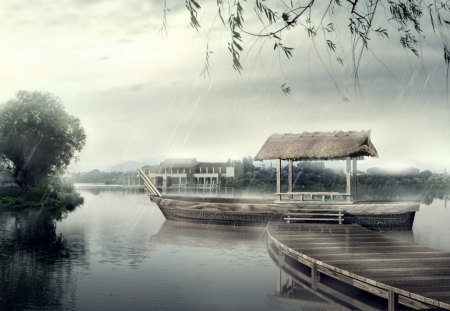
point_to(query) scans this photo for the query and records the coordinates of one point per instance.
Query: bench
(315, 215)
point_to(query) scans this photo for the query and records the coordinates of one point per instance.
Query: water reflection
(297, 287)
(430, 227)
(33, 273)
(424, 196)
(117, 252)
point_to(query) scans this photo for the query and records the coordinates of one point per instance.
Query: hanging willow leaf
(263, 9)
(286, 89)
(193, 7)
(331, 45)
(382, 32)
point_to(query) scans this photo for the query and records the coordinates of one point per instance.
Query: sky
(139, 93)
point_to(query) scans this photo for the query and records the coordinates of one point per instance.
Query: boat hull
(245, 212)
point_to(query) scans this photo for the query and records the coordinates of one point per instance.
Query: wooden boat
(349, 146)
(255, 212)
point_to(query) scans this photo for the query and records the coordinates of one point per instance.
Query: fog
(139, 94)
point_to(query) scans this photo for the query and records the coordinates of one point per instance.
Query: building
(188, 173)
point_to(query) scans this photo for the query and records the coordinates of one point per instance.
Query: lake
(117, 252)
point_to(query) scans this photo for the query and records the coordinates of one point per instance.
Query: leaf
(331, 45)
(382, 32)
(286, 89)
(311, 31)
(330, 27)
(446, 55)
(268, 12)
(275, 36)
(193, 7)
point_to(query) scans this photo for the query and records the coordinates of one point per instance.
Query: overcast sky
(140, 95)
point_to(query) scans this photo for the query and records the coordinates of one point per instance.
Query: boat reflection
(293, 288)
(210, 236)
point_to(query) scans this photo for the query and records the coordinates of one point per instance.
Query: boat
(296, 206)
(256, 212)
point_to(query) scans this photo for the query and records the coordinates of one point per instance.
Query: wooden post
(279, 178)
(280, 264)
(290, 175)
(348, 178)
(314, 276)
(354, 179)
(392, 301)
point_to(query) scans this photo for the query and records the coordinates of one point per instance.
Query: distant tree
(38, 138)
(426, 174)
(247, 164)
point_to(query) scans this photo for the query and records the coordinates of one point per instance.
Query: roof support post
(348, 179)
(279, 178)
(290, 175)
(354, 180)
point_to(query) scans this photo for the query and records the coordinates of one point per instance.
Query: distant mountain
(133, 165)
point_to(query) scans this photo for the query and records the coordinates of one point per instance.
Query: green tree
(38, 138)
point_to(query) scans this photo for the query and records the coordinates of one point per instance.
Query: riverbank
(12, 197)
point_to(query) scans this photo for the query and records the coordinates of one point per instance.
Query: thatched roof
(317, 146)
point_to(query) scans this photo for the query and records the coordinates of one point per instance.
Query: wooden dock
(402, 273)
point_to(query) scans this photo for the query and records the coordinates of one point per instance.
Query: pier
(402, 273)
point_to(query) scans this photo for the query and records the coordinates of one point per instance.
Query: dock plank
(415, 273)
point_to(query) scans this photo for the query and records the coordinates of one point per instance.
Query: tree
(247, 164)
(38, 138)
(413, 20)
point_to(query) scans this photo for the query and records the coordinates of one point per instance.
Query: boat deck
(401, 272)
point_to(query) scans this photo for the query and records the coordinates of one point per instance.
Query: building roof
(179, 163)
(317, 146)
(215, 164)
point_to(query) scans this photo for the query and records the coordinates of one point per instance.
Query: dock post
(392, 301)
(279, 274)
(315, 278)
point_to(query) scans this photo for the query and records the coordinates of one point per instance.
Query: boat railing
(314, 196)
(315, 215)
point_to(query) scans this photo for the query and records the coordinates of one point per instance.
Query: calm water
(116, 252)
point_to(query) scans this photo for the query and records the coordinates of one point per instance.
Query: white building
(175, 173)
